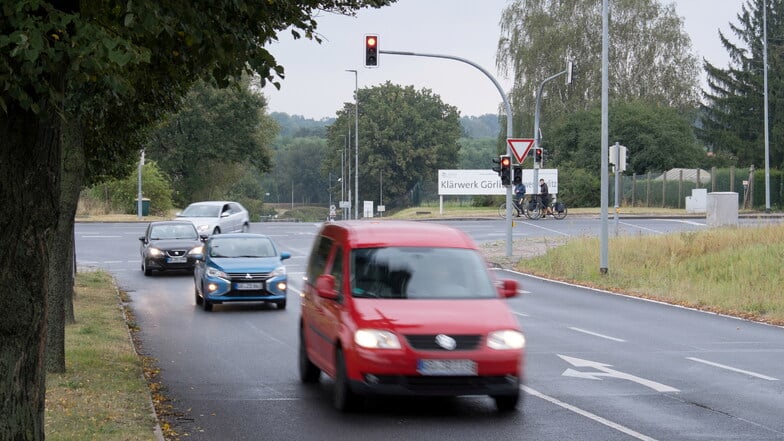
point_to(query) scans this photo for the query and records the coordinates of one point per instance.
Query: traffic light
(371, 50)
(517, 177)
(506, 170)
(538, 156)
(497, 168)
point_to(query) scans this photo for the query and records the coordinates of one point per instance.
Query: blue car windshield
(241, 247)
(196, 210)
(420, 273)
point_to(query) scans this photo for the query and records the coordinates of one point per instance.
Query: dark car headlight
(154, 252)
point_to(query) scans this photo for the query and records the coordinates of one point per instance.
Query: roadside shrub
(121, 194)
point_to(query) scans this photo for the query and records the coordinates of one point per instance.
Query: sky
(317, 84)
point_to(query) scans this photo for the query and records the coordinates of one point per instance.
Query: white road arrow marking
(605, 371)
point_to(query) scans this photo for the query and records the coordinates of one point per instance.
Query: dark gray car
(169, 245)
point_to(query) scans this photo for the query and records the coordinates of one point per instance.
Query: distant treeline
(297, 126)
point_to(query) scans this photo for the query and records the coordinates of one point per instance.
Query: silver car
(215, 217)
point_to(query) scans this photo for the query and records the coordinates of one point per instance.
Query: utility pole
(356, 142)
(765, 75)
(605, 178)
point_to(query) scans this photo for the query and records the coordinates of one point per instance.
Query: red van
(407, 308)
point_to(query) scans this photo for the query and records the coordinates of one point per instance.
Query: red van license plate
(446, 367)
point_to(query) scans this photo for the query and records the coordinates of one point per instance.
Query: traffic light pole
(508, 108)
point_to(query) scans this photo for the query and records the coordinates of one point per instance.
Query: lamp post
(343, 176)
(537, 112)
(356, 143)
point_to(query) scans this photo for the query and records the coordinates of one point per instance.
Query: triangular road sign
(520, 147)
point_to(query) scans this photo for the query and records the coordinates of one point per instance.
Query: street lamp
(343, 176)
(537, 111)
(356, 143)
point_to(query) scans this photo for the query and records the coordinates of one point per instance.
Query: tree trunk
(29, 191)
(61, 282)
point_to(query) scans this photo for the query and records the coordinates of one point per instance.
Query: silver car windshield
(201, 211)
(420, 273)
(241, 247)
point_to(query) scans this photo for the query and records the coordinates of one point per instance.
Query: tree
(657, 137)
(223, 128)
(733, 115)
(650, 54)
(405, 136)
(98, 67)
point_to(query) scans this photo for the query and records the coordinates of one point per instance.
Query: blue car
(240, 267)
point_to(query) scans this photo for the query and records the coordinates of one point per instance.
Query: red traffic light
(506, 161)
(371, 50)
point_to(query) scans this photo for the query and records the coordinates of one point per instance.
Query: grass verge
(103, 394)
(731, 270)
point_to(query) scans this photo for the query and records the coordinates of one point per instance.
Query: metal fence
(669, 189)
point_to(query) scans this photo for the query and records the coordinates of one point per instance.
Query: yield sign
(520, 147)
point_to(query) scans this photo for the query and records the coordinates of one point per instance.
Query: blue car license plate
(446, 367)
(249, 285)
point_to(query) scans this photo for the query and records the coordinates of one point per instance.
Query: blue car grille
(428, 342)
(249, 277)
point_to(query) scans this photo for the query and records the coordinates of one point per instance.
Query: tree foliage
(657, 137)
(733, 116)
(107, 68)
(650, 54)
(405, 136)
(226, 129)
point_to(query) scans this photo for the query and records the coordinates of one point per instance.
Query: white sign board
(367, 209)
(487, 182)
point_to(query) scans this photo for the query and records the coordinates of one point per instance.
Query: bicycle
(524, 207)
(558, 209)
(533, 208)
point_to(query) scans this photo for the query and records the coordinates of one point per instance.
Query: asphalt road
(599, 366)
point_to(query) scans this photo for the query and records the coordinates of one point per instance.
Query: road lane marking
(605, 371)
(730, 368)
(589, 415)
(521, 314)
(597, 334)
(642, 228)
(101, 237)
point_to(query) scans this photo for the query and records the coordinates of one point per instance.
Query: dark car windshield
(182, 231)
(419, 273)
(241, 247)
(201, 211)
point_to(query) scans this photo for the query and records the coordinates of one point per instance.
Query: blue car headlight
(214, 272)
(277, 272)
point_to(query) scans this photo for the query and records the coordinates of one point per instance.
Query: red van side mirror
(508, 288)
(325, 286)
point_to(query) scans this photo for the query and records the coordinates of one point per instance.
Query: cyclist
(544, 194)
(519, 191)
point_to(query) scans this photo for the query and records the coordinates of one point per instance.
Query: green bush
(306, 214)
(578, 188)
(122, 193)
